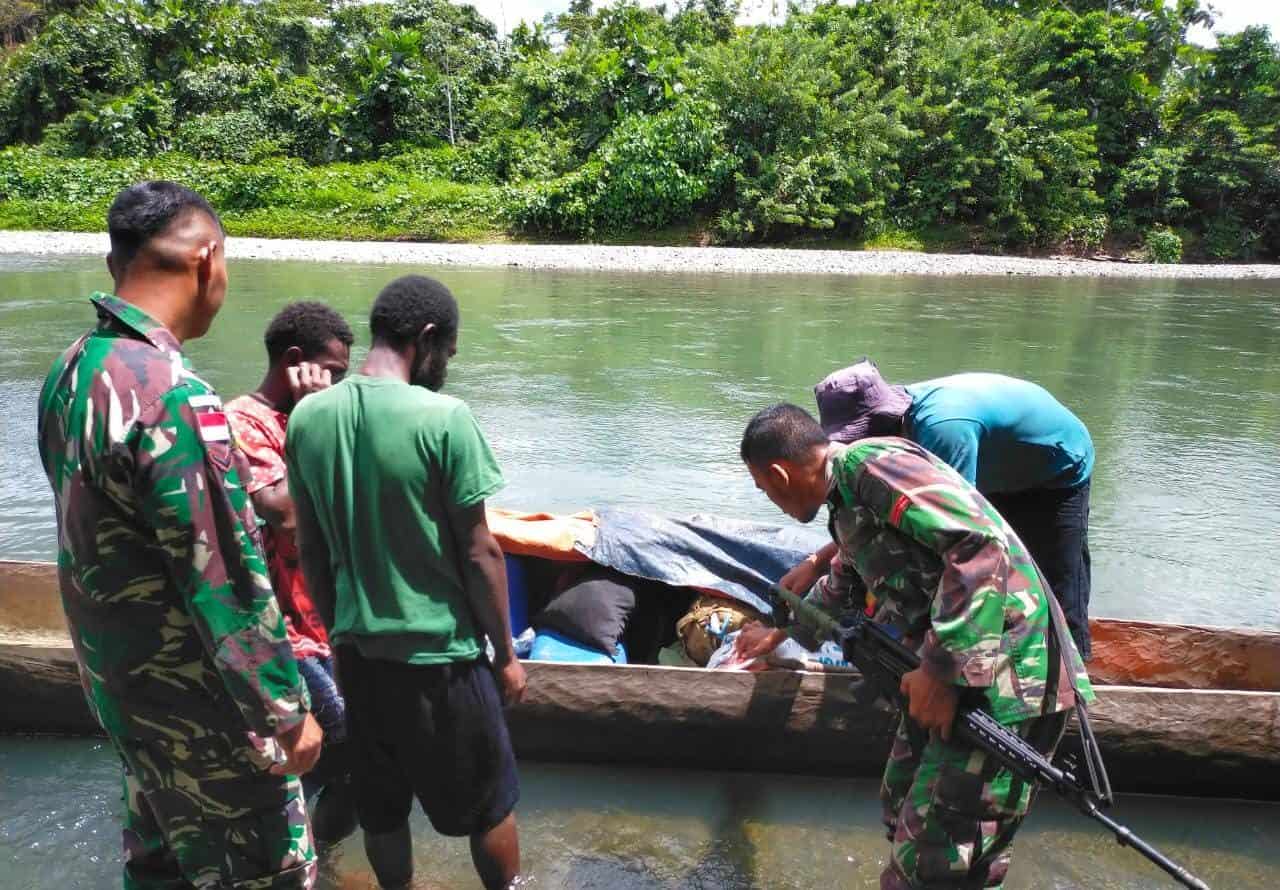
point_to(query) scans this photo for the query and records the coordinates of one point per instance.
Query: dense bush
(138, 123)
(1163, 246)
(651, 171)
(1006, 125)
(211, 88)
(74, 58)
(227, 136)
(276, 198)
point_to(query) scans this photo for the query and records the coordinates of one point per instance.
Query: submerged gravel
(601, 258)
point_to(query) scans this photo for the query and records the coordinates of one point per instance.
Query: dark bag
(593, 610)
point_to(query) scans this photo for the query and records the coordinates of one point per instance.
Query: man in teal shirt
(1023, 449)
(1002, 434)
(389, 478)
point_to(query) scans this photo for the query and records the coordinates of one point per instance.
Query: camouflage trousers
(196, 819)
(952, 810)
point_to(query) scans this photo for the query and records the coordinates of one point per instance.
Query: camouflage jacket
(175, 625)
(925, 553)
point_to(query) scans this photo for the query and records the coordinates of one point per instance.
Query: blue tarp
(739, 559)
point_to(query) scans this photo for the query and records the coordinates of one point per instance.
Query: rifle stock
(883, 660)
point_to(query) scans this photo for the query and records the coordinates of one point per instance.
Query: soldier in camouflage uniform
(179, 638)
(923, 552)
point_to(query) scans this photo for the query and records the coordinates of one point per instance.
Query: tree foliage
(1023, 123)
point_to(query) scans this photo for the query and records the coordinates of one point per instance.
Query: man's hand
(301, 746)
(755, 640)
(930, 702)
(511, 679)
(803, 576)
(306, 378)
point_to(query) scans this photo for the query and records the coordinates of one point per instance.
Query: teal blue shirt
(1002, 434)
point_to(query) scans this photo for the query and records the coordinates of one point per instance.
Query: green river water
(613, 390)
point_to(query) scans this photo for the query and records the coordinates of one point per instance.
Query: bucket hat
(856, 402)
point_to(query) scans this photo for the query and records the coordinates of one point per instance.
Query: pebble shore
(695, 260)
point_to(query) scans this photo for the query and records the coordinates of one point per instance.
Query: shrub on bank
(650, 172)
(1163, 246)
(226, 136)
(273, 198)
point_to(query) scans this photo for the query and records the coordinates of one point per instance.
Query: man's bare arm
(274, 505)
(484, 573)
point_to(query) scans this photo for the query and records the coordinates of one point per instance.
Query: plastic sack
(523, 644)
(789, 654)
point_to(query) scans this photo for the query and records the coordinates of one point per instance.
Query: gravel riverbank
(600, 258)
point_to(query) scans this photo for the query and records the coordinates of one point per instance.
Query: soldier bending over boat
(1018, 445)
(178, 635)
(923, 552)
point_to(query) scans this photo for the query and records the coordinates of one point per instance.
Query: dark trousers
(330, 711)
(1054, 525)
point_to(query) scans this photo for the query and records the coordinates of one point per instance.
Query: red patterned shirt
(259, 432)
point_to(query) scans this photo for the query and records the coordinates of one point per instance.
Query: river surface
(612, 390)
(593, 828)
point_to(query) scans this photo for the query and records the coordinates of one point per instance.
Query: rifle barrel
(1126, 838)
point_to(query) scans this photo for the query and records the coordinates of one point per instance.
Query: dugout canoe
(1182, 709)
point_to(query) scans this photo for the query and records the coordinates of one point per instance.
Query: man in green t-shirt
(389, 479)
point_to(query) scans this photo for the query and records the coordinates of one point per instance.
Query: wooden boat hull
(1156, 738)
(1174, 741)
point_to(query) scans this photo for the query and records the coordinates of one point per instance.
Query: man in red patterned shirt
(308, 349)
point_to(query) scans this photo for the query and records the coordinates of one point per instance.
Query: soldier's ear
(780, 474)
(204, 263)
(111, 267)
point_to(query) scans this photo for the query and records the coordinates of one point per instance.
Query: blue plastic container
(551, 646)
(517, 596)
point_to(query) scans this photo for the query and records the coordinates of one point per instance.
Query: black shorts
(436, 732)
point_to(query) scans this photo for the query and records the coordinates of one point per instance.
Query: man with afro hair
(308, 349)
(390, 479)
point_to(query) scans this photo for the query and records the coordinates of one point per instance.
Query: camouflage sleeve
(840, 590)
(196, 501)
(835, 593)
(929, 504)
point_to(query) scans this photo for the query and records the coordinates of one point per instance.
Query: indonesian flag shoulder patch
(210, 418)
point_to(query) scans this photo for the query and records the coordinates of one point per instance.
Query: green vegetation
(1032, 125)
(1163, 246)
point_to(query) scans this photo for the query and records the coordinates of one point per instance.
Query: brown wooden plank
(1183, 656)
(1223, 741)
(1126, 653)
(1170, 741)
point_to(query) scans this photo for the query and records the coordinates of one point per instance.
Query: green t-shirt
(381, 463)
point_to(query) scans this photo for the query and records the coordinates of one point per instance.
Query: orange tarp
(543, 534)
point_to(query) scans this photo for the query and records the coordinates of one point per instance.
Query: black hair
(407, 305)
(781, 432)
(144, 210)
(307, 325)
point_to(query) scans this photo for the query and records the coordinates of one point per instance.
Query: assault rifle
(883, 661)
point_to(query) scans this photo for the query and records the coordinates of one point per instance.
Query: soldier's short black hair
(144, 210)
(781, 432)
(407, 305)
(307, 325)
